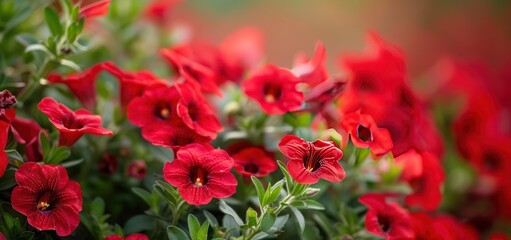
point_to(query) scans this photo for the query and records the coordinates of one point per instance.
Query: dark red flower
(7, 114)
(108, 164)
(425, 228)
(310, 161)
(71, 125)
(137, 169)
(498, 236)
(26, 131)
(386, 219)
(134, 236)
(254, 161)
(200, 174)
(96, 9)
(196, 114)
(312, 71)
(451, 228)
(47, 197)
(82, 85)
(4, 134)
(156, 105)
(159, 10)
(274, 89)
(173, 137)
(365, 133)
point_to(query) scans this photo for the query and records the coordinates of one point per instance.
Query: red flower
(82, 85)
(47, 197)
(275, 89)
(7, 114)
(425, 175)
(159, 10)
(365, 133)
(26, 131)
(312, 71)
(174, 137)
(98, 8)
(134, 236)
(384, 219)
(201, 174)
(425, 227)
(137, 169)
(254, 161)
(196, 114)
(108, 164)
(156, 105)
(71, 125)
(310, 161)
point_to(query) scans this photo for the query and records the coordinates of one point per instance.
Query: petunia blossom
(274, 88)
(7, 114)
(201, 174)
(365, 133)
(310, 161)
(137, 169)
(71, 125)
(155, 105)
(26, 131)
(161, 134)
(386, 219)
(312, 71)
(254, 161)
(134, 236)
(47, 197)
(99, 8)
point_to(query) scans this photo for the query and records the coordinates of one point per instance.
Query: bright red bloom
(274, 89)
(82, 85)
(96, 9)
(134, 236)
(310, 161)
(47, 197)
(365, 133)
(26, 131)
(454, 229)
(386, 219)
(156, 105)
(425, 228)
(137, 169)
(254, 161)
(171, 136)
(71, 125)
(7, 114)
(196, 114)
(425, 175)
(312, 71)
(200, 174)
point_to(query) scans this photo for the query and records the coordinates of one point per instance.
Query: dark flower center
(193, 111)
(364, 133)
(199, 176)
(365, 82)
(417, 184)
(45, 202)
(7, 100)
(251, 168)
(314, 157)
(70, 122)
(384, 223)
(272, 92)
(162, 111)
(491, 160)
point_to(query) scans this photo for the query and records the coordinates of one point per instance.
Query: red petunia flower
(173, 137)
(108, 164)
(137, 169)
(365, 133)
(156, 105)
(7, 114)
(134, 236)
(71, 125)
(82, 85)
(312, 71)
(274, 89)
(200, 174)
(26, 131)
(196, 114)
(47, 197)
(96, 9)
(425, 228)
(159, 10)
(385, 219)
(310, 161)
(254, 161)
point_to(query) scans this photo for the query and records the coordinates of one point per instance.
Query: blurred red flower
(47, 197)
(26, 131)
(274, 88)
(385, 219)
(134, 236)
(310, 161)
(201, 173)
(365, 133)
(137, 169)
(7, 114)
(71, 125)
(312, 71)
(96, 9)
(254, 161)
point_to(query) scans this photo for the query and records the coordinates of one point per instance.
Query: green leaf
(299, 218)
(260, 235)
(2, 78)
(59, 155)
(273, 192)
(97, 207)
(7, 181)
(139, 223)
(72, 163)
(211, 218)
(259, 189)
(45, 145)
(308, 204)
(175, 233)
(193, 226)
(289, 180)
(251, 217)
(229, 211)
(203, 231)
(142, 193)
(267, 221)
(53, 21)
